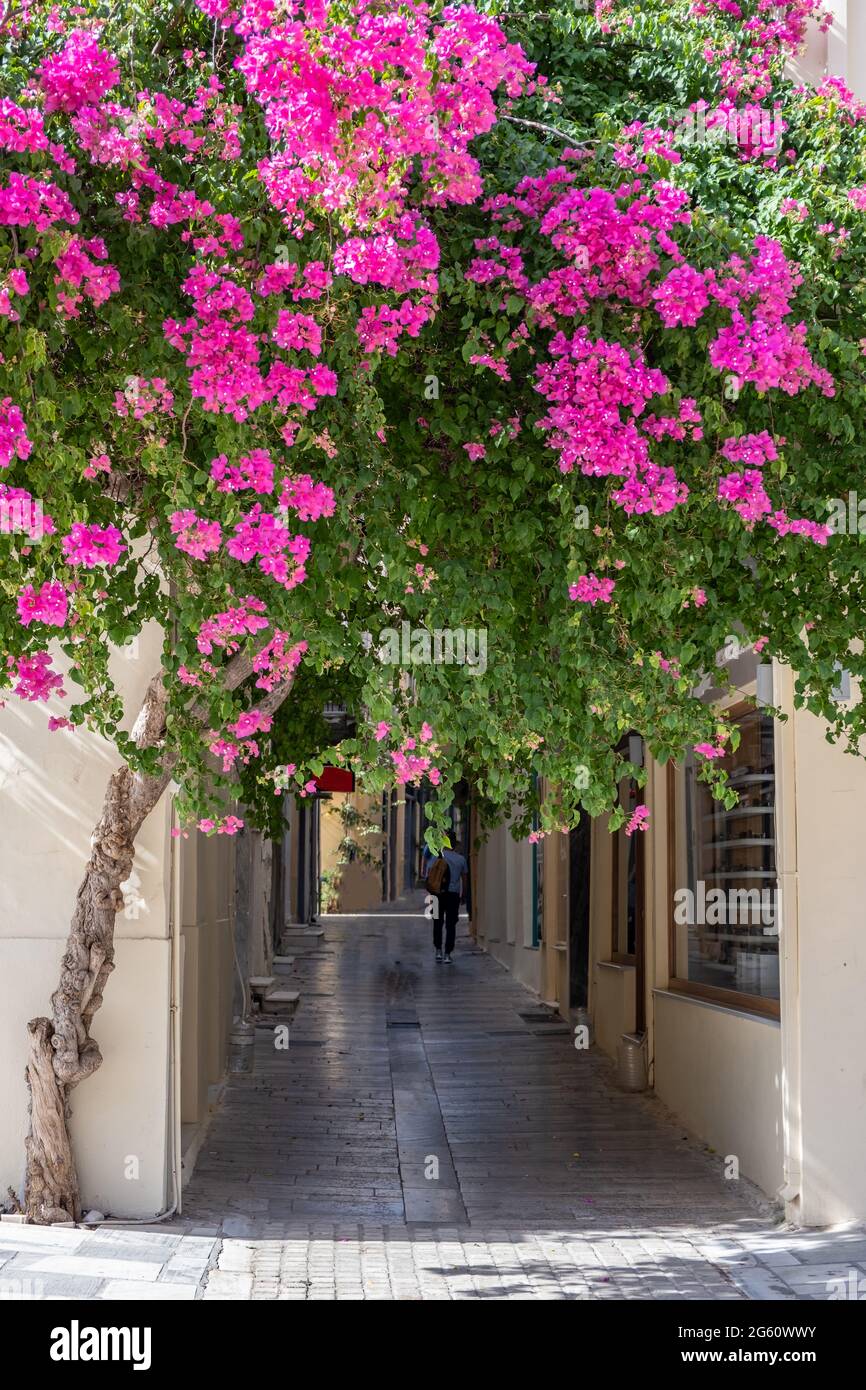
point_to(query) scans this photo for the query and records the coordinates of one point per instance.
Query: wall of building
(206, 918)
(356, 885)
(841, 51)
(720, 1071)
(825, 892)
(503, 908)
(51, 791)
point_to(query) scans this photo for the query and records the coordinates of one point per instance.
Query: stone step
(260, 984)
(283, 964)
(278, 999)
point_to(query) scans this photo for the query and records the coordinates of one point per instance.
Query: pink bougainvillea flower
(46, 605)
(709, 750)
(100, 463)
(78, 75)
(13, 434)
(34, 678)
(638, 820)
(254, 470)
(195, 535)
(90, 545)
(590, 589)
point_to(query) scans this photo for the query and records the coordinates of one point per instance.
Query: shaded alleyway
(427, 1136)
(433, 1111)
(395, 1062)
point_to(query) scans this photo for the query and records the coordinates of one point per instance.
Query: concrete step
(261, 984)
(280, 1000)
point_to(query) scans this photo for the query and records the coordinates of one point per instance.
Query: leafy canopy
(330, 328)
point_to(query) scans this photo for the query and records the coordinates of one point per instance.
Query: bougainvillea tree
(323, 323)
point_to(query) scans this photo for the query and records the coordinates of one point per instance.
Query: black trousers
(449, 908)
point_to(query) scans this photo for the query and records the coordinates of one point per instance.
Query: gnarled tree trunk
(62, 1052)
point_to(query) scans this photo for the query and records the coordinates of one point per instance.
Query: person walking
(447, 877)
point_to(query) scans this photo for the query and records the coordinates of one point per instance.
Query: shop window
(725, 933)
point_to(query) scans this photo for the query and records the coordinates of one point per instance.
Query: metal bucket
(631, 1062)
(242, 1042)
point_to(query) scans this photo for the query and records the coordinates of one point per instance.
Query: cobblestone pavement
(426, 1135)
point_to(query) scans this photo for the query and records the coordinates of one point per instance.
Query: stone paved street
(427, 1135)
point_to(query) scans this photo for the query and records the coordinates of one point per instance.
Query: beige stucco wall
(720, 1071)
(360, 885)
(51, 791)
(503, 906)
(825, 887)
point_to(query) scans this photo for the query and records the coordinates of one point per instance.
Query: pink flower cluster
(48, 605)
(638, 820)
(710, 751)
(760, 346)
(34, 678)
(90, 545)
(349, 105)
(13, 434)
(254, 470)
(277, 661)
(310, 500)
(143, 397)
(229, 825)
(223, 355)
(16, 283)
(752, 449)
(380, 329)
(746, 62)
(224, 629)
(599, 392)
(30, 202)
(413, 763)
(243, 746)
(298, 332)
(400, 257)
(590, 589)
(195, 535)
(260, 535)
(100, 463)
(682, 297)
(78, 268)
(22, 513)
(590, 385)
(22, 131)
(77, 76)
(749, 498)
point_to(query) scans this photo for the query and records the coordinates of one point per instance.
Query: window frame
(727, 998)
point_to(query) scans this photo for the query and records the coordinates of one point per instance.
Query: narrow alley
(430, 1132)
(394, 1061)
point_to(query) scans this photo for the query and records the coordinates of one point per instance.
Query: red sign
(335, 779)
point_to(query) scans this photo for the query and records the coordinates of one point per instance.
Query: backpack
(439, 875)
